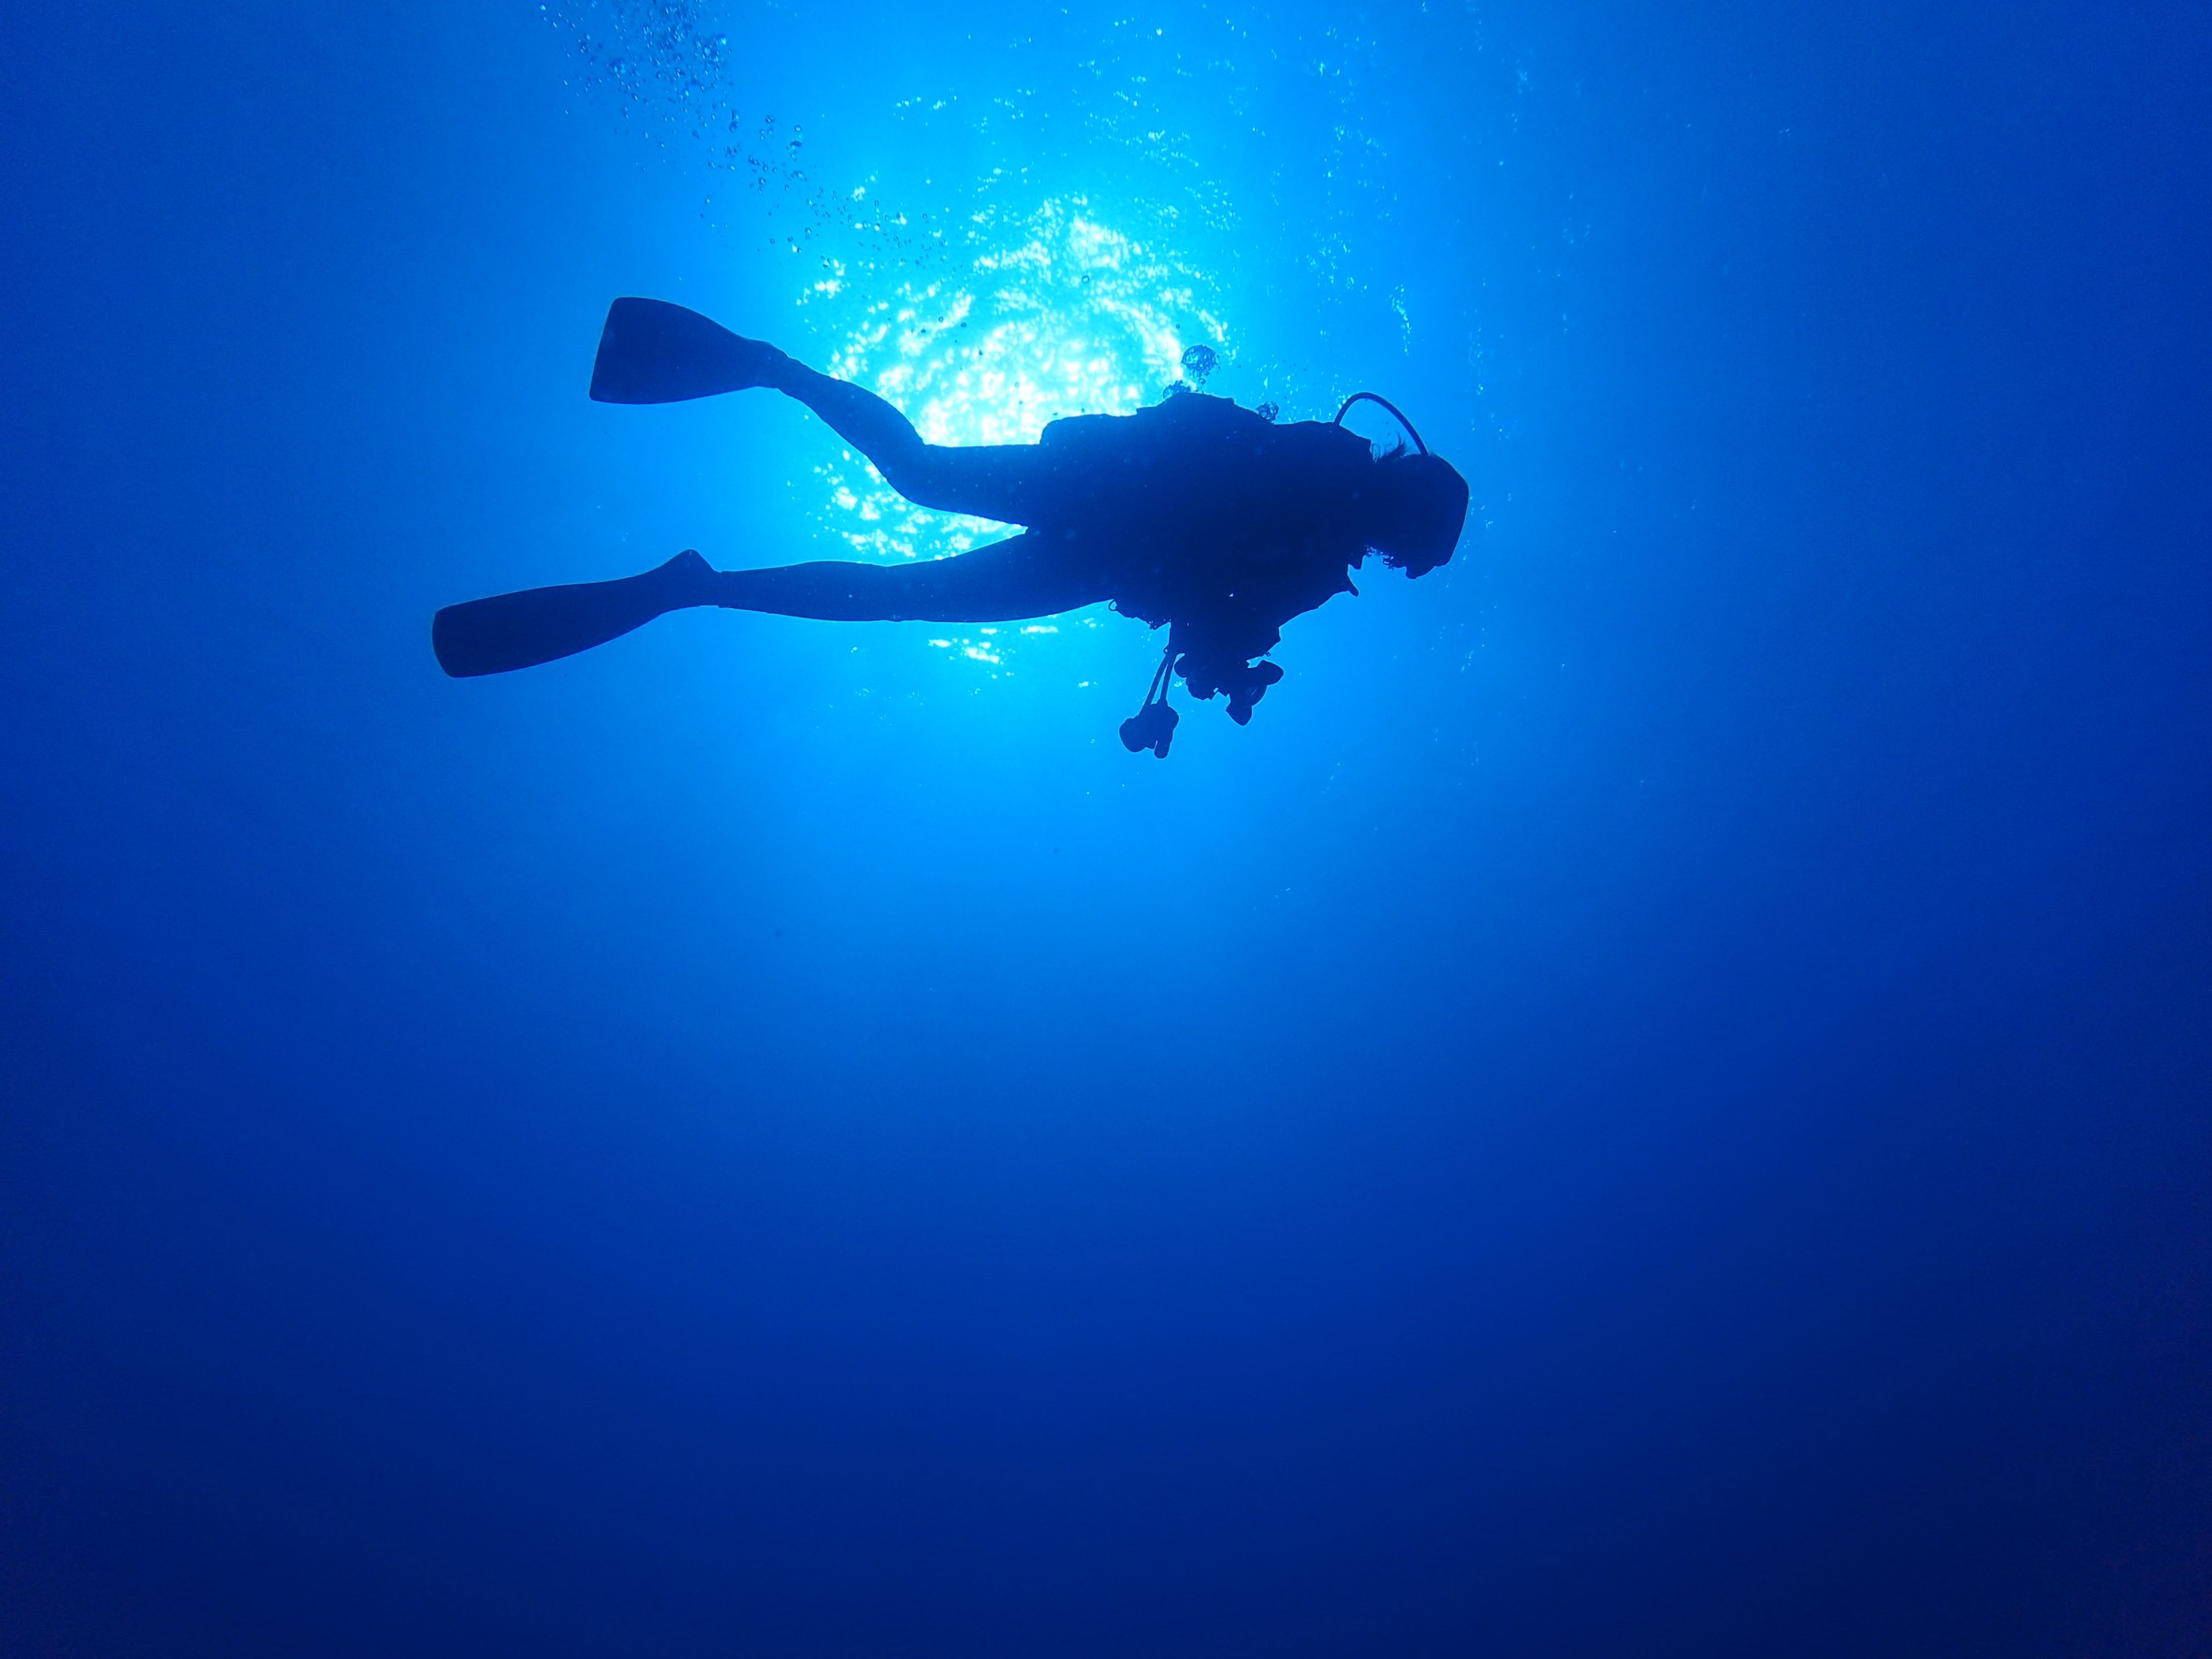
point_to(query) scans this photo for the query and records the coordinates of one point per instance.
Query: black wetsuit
(1194, 512)
(1210, 517)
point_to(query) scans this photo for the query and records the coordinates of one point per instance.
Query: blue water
(1654, 1102)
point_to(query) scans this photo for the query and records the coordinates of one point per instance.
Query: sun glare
(1056, 314)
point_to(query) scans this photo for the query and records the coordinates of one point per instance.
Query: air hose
(1378, 398)
(1152, 726)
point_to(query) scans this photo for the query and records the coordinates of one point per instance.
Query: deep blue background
(1654, 1102)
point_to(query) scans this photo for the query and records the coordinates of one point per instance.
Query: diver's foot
(753, 363)
(652, 352)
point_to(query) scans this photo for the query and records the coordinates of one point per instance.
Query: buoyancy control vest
(1197, 506)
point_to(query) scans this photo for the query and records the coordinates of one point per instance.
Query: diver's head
(1421, 507)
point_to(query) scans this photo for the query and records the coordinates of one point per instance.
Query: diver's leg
(1008, 581)
(999, 481)
(652, 352)
(1026, 576)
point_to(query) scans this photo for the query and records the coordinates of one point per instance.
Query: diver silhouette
(1194, 512)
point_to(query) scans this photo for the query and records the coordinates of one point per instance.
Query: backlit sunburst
(1056, 314)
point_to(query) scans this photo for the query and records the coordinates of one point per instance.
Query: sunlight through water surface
(1047, 313)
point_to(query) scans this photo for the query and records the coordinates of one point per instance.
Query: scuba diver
(1192, 512)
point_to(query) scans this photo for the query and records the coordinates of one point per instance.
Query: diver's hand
(1255, 682)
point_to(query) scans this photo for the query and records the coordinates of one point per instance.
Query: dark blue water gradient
(1652, 1102)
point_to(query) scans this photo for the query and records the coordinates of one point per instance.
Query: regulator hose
(1378, 398)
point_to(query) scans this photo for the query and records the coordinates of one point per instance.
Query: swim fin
(514, 630)
(652, 352)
